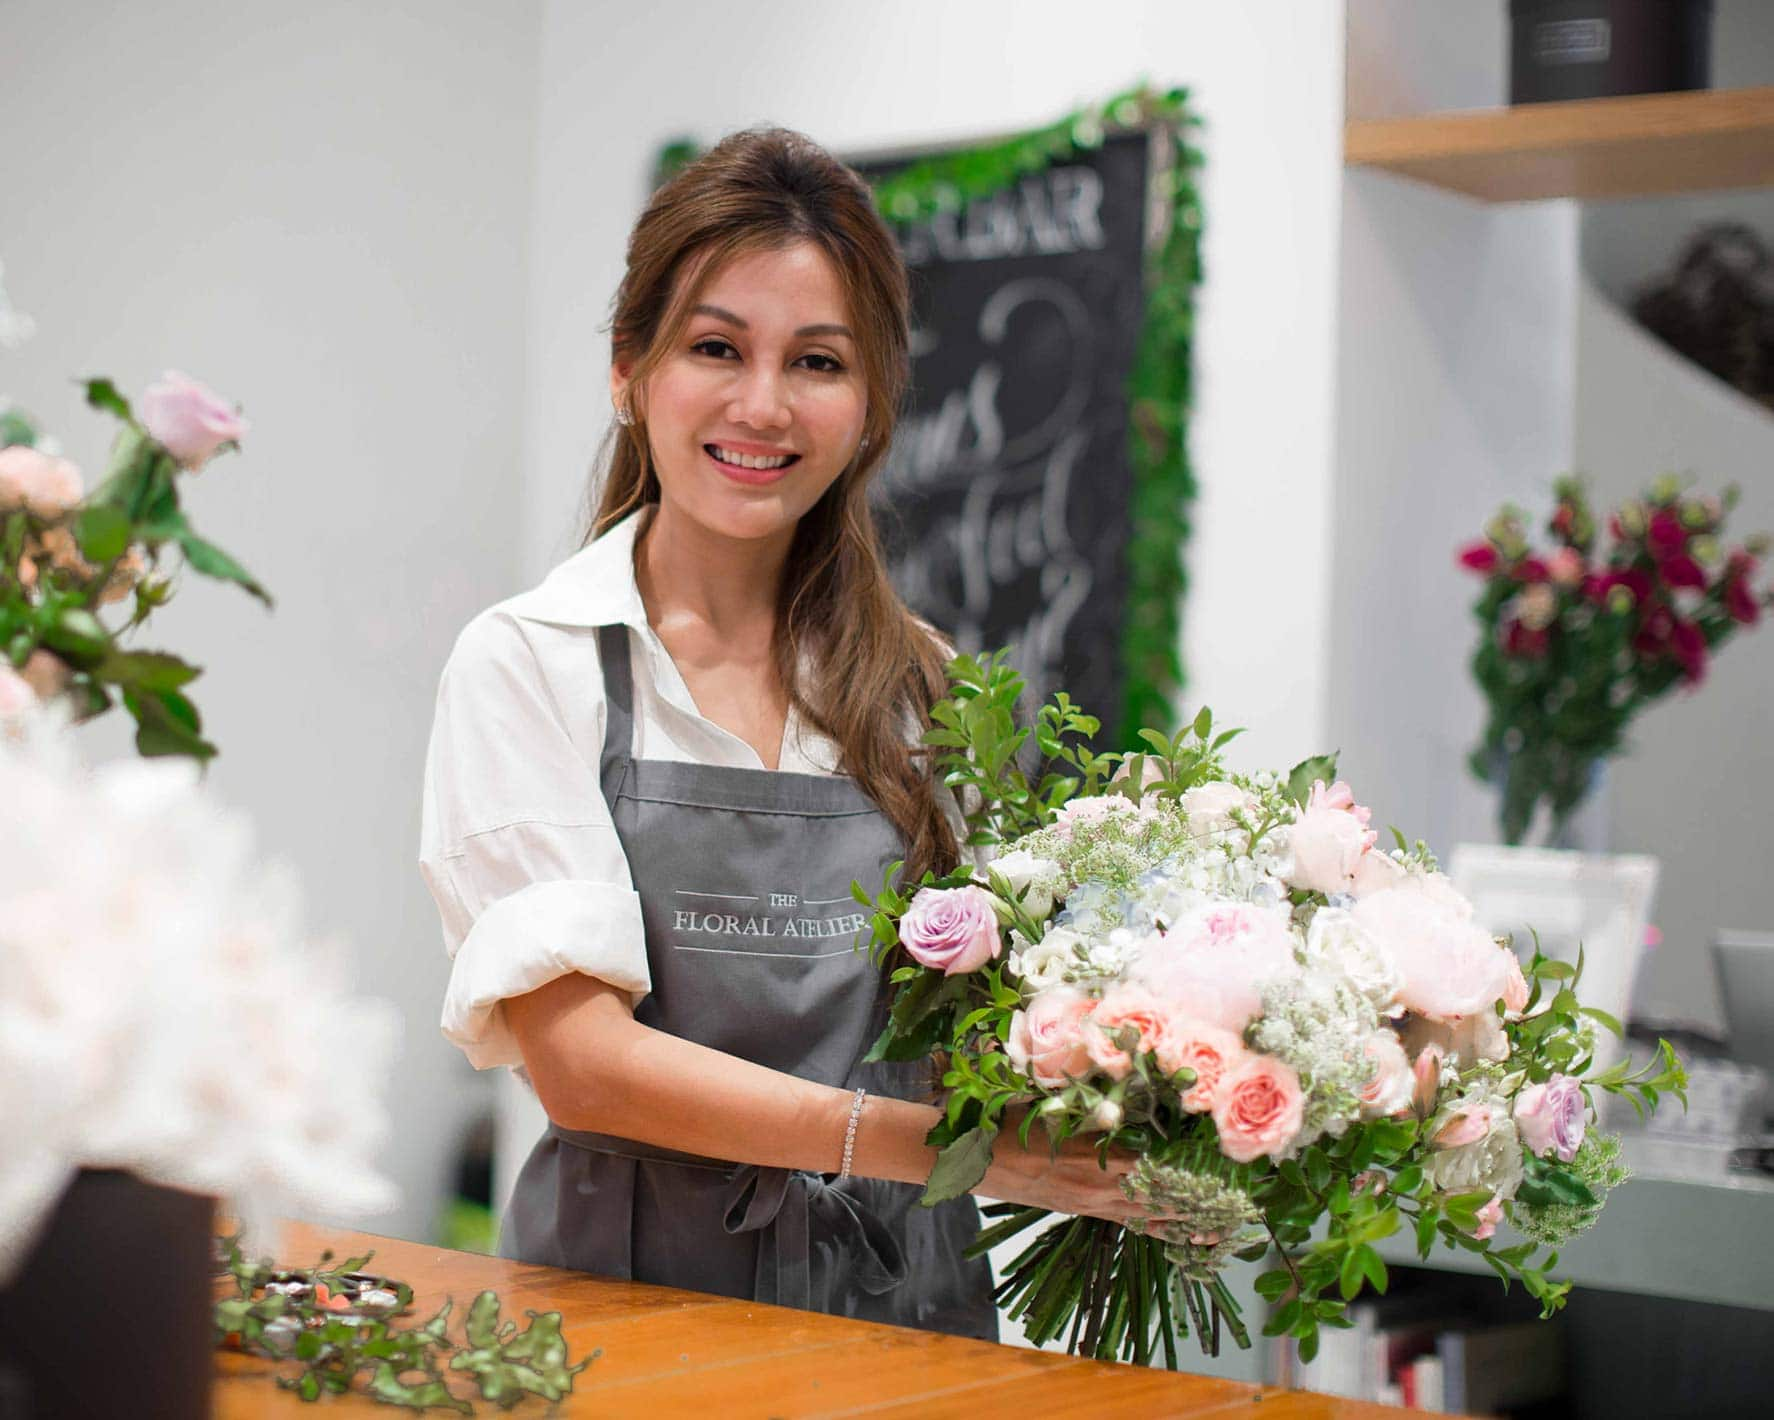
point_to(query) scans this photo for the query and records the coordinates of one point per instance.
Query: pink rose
(1209, 1050)
(1551, 1117)
(16, 695)
(1258, 1110)
(1212, 964)
(1463, 1127)
(189, 420)
(1451, 968)
(1328, 839)
(31, 479)
(1128, 1004)
(1388, 1089)
(1488, 1218)
(1047, 1037)
(951, 928)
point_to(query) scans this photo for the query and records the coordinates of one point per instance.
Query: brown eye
(825, 366)
(715, 348)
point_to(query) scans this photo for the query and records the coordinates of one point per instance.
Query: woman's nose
(761, 400)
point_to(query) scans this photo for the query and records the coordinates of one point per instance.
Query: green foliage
(123, 532)
(404, 1365)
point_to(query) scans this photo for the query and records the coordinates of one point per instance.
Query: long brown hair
(873, 668)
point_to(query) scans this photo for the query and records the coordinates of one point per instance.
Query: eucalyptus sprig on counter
(405, 1364)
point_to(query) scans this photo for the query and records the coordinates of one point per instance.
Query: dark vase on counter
(110, 1314)
(1593, 49)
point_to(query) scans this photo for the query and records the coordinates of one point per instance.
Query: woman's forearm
(596, 1068)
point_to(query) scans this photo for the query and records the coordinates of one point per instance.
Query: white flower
(1033, 880)
(1337, 942)
(1492, 1162)
(1045, 963)
(156, 1014)
(1210, 807)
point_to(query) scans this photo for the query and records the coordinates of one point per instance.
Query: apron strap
(613, 652)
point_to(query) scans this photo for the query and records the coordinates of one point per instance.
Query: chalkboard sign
(1005, 503)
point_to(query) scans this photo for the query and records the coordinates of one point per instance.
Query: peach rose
(32, 479)
(1128, 1004)
(1209, 1050)
(1258, 1110)
(1047, 1037)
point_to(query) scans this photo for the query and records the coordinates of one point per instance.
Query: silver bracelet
(850, 1133)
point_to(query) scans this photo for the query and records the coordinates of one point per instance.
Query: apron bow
(794, 1209)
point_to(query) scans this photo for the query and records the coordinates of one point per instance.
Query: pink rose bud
(33, 480)
(1466, 1126)
(1426, 1080)
(954, 929)
(1552, 1117)
(1259, 1109)
(46, 673)
(1488, 1218)
(1515, 987)
(188, 419)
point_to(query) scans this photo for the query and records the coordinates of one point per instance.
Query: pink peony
(1047, 1037)
(1213, 962)
(1375, 873)
(32, 479)
(955, 929)
(1389, 1088)
(1258, 1110)
(1328, 839)
(1551, 1117)
(188, 419)
(1451, 967)
(1209, 1050)
(1128, 1004)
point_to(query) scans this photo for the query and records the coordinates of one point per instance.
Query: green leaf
(1307, 772)
(146, 670)
(210, 560)
(1595, 1013)
(167, 724)
(1546, 1182)
(102, 394)
(960, 1166)
(1272, 1286)
(102, 530)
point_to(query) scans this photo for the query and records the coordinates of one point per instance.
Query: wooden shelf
(1628, 147)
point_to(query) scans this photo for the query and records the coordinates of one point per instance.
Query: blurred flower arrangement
(157, 1013)
(1577, 638)
(66, 555)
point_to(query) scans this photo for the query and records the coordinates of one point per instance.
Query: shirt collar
(593, 587)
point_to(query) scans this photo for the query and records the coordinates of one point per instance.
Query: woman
(653, 779)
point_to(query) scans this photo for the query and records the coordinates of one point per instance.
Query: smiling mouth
(755, 463)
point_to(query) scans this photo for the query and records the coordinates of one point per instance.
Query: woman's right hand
(1070, 1180)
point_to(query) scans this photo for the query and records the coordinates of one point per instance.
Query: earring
(624, 415)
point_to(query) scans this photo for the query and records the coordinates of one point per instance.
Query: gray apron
(744, 879)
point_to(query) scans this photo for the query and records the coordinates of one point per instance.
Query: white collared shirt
(516, 840)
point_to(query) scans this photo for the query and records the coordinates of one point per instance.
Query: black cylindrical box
(1592, 49)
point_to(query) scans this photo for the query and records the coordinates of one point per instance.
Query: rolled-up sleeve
(516, 841)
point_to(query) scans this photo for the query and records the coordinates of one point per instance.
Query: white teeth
(749, 460)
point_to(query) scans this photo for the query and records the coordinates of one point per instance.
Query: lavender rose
(955, 929)
(1551, 1117)
(190, 420)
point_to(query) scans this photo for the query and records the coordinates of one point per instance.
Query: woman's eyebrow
(722, 313)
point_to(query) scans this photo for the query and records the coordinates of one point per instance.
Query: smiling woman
(653, 779)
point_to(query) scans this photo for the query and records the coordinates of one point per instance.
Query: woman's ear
(620, 375)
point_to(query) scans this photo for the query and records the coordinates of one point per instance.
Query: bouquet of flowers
(1307, 1042)
(1576, 641)
(66, 555)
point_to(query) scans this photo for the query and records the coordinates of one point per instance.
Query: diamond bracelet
(850, 1133)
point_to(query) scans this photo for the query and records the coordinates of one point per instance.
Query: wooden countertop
(669, 1353)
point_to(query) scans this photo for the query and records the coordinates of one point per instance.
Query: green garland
(1160, 388)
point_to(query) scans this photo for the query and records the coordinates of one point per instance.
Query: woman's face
(760, 404)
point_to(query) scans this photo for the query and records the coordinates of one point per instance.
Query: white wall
(320, 209)
(1267, 77)
(1455, 379)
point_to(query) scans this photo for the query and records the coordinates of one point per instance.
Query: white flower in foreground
(1034, 881)
(1045, 963)
(156, 1011)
